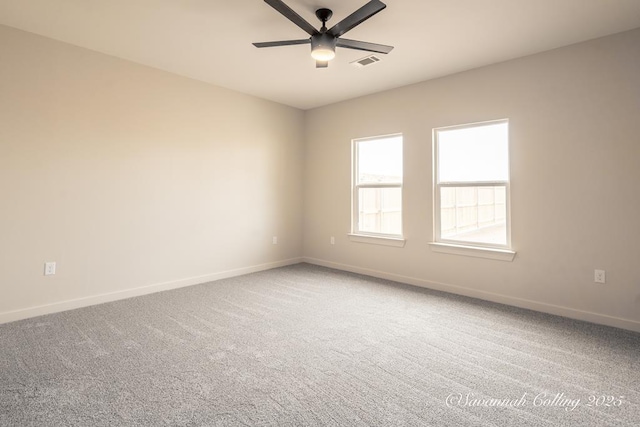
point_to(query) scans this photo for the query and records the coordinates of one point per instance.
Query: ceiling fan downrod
(324, 14)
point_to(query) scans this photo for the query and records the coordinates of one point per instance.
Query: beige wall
(130, 177)
(135, 180)
(575, 159)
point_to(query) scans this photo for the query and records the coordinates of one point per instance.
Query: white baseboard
(571, 313)
(25, 313)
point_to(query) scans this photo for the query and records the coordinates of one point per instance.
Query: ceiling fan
(323, 41)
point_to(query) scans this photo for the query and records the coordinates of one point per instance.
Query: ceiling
(210, 40)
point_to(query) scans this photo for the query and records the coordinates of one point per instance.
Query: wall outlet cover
(49, 268)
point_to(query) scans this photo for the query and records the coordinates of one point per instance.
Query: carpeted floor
(305, 345)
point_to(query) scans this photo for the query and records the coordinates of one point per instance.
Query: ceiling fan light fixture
(321, 54)
(323, 47)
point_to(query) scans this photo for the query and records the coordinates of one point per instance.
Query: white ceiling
(210, 40)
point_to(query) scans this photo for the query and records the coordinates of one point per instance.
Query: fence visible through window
(474, 214)
(380, 210)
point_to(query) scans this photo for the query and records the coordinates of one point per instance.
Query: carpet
(307, 345)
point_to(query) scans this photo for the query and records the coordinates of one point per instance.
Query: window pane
(380, 160)
(478, 153)
(380, 210)
(474, 214)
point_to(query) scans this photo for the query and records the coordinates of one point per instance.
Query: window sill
(397, 242)
(489, 253)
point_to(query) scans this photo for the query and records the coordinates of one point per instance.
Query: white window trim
(473, 251)
(384, 240)
(458, 247)
(356, 234)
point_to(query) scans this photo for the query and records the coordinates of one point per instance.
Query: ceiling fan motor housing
(323, 41)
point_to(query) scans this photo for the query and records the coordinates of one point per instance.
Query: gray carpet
(305, 345)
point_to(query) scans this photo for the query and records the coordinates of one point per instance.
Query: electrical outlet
(49, 268)
(599, 276)
(275, 240)
(333, 240)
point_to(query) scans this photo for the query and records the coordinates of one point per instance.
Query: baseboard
(571, 313)
(11, 316)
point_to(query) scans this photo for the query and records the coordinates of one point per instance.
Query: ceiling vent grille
(367, 60)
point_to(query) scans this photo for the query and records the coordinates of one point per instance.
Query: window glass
(473, 154)
(472, 184)
(377, 191)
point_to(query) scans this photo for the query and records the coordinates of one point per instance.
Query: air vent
(367, 60)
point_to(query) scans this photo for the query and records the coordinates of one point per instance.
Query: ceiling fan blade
(358, 45)
(322, 64)
(282, 43)
(357, 17)
(292, 16)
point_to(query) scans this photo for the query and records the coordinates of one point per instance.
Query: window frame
(437, 192)
(355, 199)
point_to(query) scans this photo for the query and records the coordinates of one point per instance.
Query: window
(377, 186)
(471, 192)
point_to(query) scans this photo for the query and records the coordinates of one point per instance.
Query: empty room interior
(320, 212)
